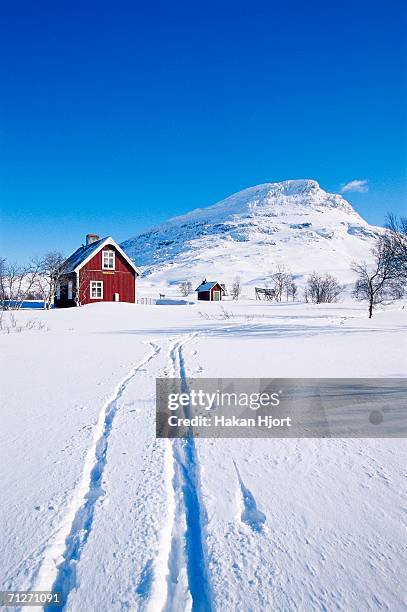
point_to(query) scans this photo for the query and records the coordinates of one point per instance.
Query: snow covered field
(93, 505)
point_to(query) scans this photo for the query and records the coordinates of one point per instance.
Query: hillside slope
(295, 223)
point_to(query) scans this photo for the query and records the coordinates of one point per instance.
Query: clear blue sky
(117, 115)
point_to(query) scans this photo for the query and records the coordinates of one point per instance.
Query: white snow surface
(295, 223)
(92, 503)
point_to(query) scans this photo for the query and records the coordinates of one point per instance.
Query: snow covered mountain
(295, 223)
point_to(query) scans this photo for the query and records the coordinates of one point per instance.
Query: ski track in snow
(179, 573)
(58, 570)
(187, 575)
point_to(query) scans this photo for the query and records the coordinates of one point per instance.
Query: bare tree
(185, 288)
(16, 283)
(82, 284)
(395, 243)
(52, 270)
(236, 289)
(381, 280)
(322, 289)
(278, 281)
(290, 288)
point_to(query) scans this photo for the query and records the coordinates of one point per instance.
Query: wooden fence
(147, 301)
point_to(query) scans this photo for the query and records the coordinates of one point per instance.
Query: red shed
(99, 271)
(210, 291)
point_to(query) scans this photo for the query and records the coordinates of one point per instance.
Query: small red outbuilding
(210, 291)
(99, 271)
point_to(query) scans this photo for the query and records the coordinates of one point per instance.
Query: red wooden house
(210, 291)
(99, 271)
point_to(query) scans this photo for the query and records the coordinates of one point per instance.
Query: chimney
(90, 238)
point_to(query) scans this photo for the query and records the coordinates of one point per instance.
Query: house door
(216, 296)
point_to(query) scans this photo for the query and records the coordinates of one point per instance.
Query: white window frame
(58, 291)
(94, 286)
(70, 290)
(108, 260)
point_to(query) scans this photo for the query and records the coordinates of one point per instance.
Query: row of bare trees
(319, 288)
(36, 280)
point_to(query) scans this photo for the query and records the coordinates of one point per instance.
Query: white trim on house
(94, 287)
(108, 260)
(111, 242)
(77, 290)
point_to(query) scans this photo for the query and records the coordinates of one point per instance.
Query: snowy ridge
(295, 223)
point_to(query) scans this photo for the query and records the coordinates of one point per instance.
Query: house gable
(81, 257)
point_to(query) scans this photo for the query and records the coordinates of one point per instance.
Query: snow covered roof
(86, 252)
(206, 286)
(81, 254)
